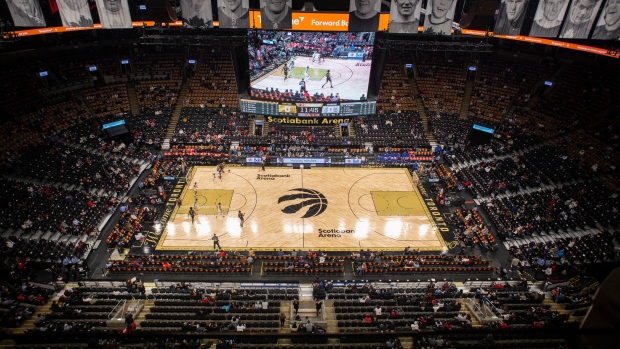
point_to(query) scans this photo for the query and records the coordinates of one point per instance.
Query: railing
(483, 313)
(118, 309)
(136, 307)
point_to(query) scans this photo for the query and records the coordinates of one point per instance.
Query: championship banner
(197, 13)
(233, 13)
(304, 160)
(26, 13)
(75, 13)
(439, 16)
(405, 16)
(114, 14)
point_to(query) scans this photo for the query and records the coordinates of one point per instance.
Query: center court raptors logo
(301, 197)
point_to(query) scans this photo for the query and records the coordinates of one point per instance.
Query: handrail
(483, 313)
(490, 309)
(118, 307)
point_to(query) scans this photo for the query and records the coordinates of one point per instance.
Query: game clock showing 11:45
(309, 111)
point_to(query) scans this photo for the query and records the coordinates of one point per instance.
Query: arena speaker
(160, 11)
(478, 14)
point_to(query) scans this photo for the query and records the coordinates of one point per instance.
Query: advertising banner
(304, 161)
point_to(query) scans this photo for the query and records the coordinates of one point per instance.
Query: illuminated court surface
(349, 77)
(319, 208)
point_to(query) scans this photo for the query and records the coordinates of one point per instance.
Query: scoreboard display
(303, 109)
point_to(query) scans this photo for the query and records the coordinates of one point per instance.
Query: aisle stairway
(469, 87)
(148, 304)
(415, 91)
(176, 115)
(133, 98)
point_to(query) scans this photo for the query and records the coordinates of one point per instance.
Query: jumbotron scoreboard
(307, 109)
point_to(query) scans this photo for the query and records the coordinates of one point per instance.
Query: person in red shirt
(503, 325)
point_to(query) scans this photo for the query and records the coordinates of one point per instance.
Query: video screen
(310, 66)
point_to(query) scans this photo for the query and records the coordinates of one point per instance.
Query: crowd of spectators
(395, 91)
(500, 83)
(442, 84)
(553, 210)
(108, 100)
(213, 83)
(19, 302)
(157, 95)
(275, 47)
(391, 128)
(564, 258)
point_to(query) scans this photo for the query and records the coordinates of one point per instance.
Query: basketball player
(307, 74)
(302, 86)
(328, 78)
(217, 174)
(241, 218)
(291, 65)
(285, 70)
(219, 209)
(195, 188)
(192, 213)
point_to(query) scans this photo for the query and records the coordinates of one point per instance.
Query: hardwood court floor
(318, 208)
(349, 78)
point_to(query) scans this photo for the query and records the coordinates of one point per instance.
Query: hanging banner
(233, 13)
(608, 26)
(548, 18)
(580, 19)
(439, 16)
(276, 14)
(197, 13)
(405, 16)
(511, 15)
(26, 13)
(364, 15)
(75, 13)
(114, 14)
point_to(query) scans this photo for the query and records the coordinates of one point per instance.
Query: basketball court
(349, 77)
(318, 208)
